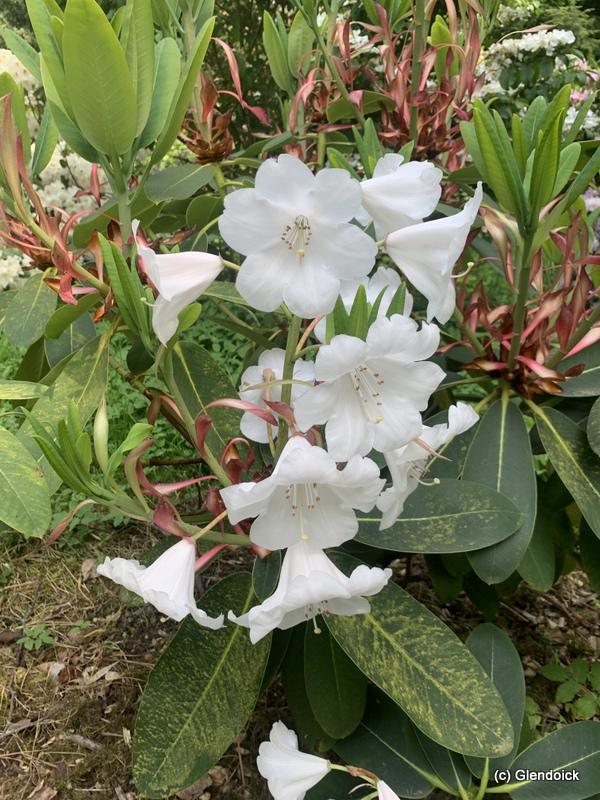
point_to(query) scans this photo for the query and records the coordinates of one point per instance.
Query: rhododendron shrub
(387, 405)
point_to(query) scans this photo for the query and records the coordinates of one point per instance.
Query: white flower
(372, 392)
(399, 195)
(252, 426)
(427, 252)
(406, 464)
(384, 278)
(294, 229)
(168, 583)
(180, 279)
(289, 772)
(311, 584)
(384, 792)
(306, 498)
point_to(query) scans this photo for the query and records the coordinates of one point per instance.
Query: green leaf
(20, 390)
(580, 670)
(448, 766)
(554, 672)
(500, 458)
(98, 81)
(469, 135)
(538, 564)
(276, 55)
(519, 144)
(483, 596)
(500, 165)
(178, 183)
(19, 113)
(336, 688)
(182, 94)
(221, 290)
(593, 427)
(209, 700)
(139, 53)
(589, 549)
(574, 460)
(386, 739)
(201, 211)
(455, 451)
(447, 585)
(585, 707)
(595, 675)
(265, 575)
(532, 121)
(300, 42)
(451, 517)
(371, 103)
(502, 662)
(567, 691)
(24, 499)
(66, 127)
(201, 380)
(545, 166)
(45, 142)
(51, 55)
(70, 340)
(26, 54)
(166, 78)
(410, 654)
(67, 314)
(29, 311)
(588, 383)
(99, 220)
(569, 156)
(574, 747)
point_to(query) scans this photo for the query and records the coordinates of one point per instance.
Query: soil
(67, 709)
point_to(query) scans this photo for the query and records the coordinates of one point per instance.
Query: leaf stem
(288, 373)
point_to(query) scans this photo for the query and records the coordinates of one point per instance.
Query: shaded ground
(67, 710)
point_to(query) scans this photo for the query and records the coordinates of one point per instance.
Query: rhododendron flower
(270, 360)
(168, 583)
(294, 229)
(306, 498)
(399, 195)
(406, 464)
(372, 392)
(289, 772)
(311, 584)
(180, 279)
(384, 279)
(385, 793)
(427, 252)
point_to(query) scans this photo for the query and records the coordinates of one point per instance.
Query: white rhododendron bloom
(311, 584)
(372, 392)
(406, 464)
(289, 772)
(270, 364)
(180, 279)
(306, 498)
(399, 195)
(384, 279)
(427, 252)
(294, 229)
(384, 792)
(168, 583)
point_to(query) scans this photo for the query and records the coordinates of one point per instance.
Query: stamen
(361, 380)
(300, 233)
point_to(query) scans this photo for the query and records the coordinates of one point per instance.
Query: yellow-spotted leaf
(24, 499)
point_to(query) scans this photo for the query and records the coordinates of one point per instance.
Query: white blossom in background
(11, 268)
(294, 229)
(407, 464)
(11, 64)
(64, 175)
(426, 254)
(384, 792)
(180, 279)
(272, 362)
(289, 772)
(310, 584)
(168, 583)
(306, 498)
(398, 194)
(371, 393)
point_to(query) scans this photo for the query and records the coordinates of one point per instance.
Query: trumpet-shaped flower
(311, 584)
(427, 252)
(384, 279)
(384, 792)
(180, 279)
(372, 392)
(406, 464)
(168, 583)
(270, 364)
(399, 195)
(294, 229)
(306, 498)
(289, 772)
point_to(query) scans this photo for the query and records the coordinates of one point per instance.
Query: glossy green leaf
(336, 688)
(265, 574)
(24, 499)
(386, 739)
(6, 298)
(198, 679)
(26, 54)
(482, 595)
(300, 42)
(469, 135)
(450, 517)
(569, 156)
(276, 54)
(573, 747)
(455, 451)
(532, 121)
(20, 390)
(201, 380)
(593, 428)
(99, 220)
(166, 78)
(178, 183)
(573, 459)
(139, 53)
(500, 457)
(502, 662)
(41, 22)
(538, 564)
(410, 654)
(70, 340)
(67, 314)
(29, 311)
(447, 585)
(98, 81)
(545, 166)
(589, 549)
(203, 210)
(66, 127)
(500, 165)
(182, 94)
(45, 142)
(450, 767)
